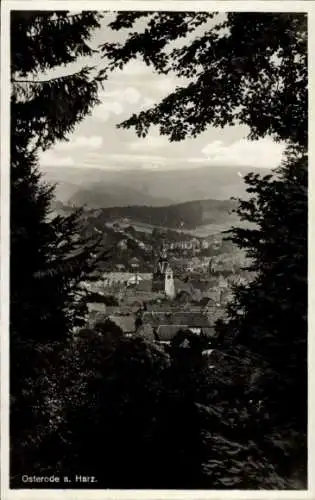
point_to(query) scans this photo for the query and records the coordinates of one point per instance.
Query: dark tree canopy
(247, 68)
(48, 255)
(43, 111)
(33, 34)
(32, 31)
(269, 316)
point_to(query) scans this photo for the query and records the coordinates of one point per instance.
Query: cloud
(50, 159)
(103, 111)
(91, 142)
(135, 67)
(165, 84)
(125, 98)
(264, 153)
(147, 103)
(130, 95)
(114, 102)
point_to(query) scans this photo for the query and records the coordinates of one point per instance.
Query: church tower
(169, 283)
(163, 280)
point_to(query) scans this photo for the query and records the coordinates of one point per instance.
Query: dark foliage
(248, 68)
(129, 414)
(49, 256)
(269, 316)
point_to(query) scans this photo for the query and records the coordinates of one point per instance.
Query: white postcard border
(175, 5)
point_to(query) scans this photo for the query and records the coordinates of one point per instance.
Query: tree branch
(14, 80)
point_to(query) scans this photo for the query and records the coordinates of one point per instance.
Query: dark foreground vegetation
(94, 403)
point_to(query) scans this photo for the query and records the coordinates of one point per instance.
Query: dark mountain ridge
(187, 215)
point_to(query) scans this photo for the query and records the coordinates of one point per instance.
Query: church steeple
(162, 262)
(163, 280)
(169, 283)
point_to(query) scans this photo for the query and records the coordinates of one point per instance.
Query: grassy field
(202, 231)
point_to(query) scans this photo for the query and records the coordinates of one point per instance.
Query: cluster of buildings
(161, 327)
(157, 305)
(190, 244)
(181, 241)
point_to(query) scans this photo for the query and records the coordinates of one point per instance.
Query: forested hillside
(184, 215)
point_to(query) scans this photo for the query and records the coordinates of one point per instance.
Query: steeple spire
(163, 280)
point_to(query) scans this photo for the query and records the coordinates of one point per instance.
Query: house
(134, 280)
(96, 307)
(125, 323)
(96, 317)
(216, 243)
(109, 278)
(205, 244)
(195, 243)
(94, 275)
(208, 304)
(144, 286)
(134, 263)
(213, 295)
(215, 313)
(180, 319)
(207, 352)
(110, 310)
(115, 277)
(166, 333)
(184, 296)
(122, 245)
(120, 267)
(226, 296)
(146, 332)
(134, 304)
(197, 284)
(188, 245)
(186, 289)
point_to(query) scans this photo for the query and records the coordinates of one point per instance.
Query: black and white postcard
(155, 249)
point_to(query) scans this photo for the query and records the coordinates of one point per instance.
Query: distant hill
(102, 188)
(108, 196)
(184, 215)
(208, 216)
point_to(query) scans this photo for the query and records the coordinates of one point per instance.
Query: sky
(98, 143)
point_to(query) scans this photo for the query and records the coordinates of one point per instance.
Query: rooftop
(125, 323)
(125, 276)
(146, 332)
(168, 332)
(134, 260)
(144, 286)
(183, 318)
